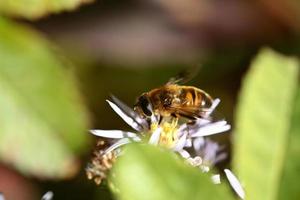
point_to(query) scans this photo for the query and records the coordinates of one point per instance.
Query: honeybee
(174, 100)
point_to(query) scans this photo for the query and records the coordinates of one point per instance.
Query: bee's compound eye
(145, 105)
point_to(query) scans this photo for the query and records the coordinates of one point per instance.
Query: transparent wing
(196, 112)
(184, 76)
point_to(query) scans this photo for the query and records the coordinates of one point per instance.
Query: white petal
(212, 128)
(216, 179)
(116, 134)
(129, 111)
(220, 157)
(180, 143)
(128, 119)
(47, 196)
(182, 129)
(154, 139)
(213, 107)
(116, 145)
(188, 143)
(215, 103)
(184, 154)
(235, 183)
(201, 122)
(198, 143)
(191, 129)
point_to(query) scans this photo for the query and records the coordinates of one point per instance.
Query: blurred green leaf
(37, 8)
(43, 122)
(262, 123)
(289, 186)
(147, 173)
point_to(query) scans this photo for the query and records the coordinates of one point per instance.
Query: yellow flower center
(168, 134)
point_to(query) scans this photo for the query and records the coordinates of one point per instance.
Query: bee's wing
(184, 76)
(196, 112)
(187, 112)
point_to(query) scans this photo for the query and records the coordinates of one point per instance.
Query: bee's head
(144, 106)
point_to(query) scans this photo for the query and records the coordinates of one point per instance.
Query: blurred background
(131, 46)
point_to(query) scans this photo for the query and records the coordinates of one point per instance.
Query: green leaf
(43, 122)
(32, 9)
(147, 173)
(262, 123)
(289, 186)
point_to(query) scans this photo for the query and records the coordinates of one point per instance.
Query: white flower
(169, 134)
(187, 139)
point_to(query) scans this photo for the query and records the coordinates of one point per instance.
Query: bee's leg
(160, 118)
(175, 121)
(149, 122)
(191, 122)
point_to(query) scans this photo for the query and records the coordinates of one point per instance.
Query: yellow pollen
(168, 135)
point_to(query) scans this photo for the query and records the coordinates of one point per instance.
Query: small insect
(174, 100)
